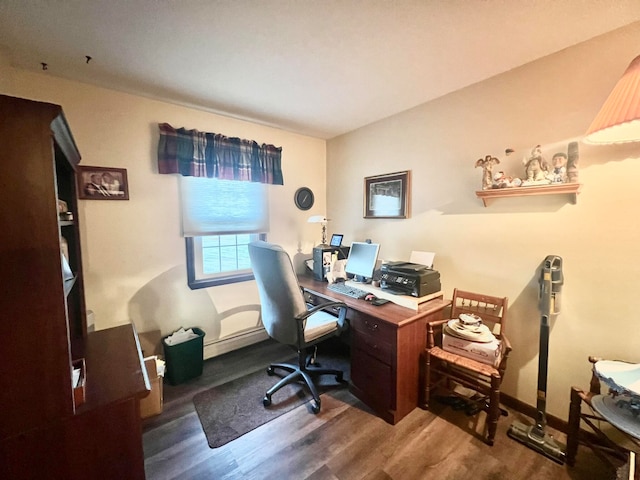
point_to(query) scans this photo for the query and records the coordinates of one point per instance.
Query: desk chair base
(296, 373)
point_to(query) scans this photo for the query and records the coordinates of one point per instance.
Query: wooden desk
(386, 344)
(103, 438)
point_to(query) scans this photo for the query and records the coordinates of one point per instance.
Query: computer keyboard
(348, 290)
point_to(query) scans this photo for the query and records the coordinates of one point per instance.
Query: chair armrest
(506, 345)
(331, 306)
(436, 324)
(323, 306)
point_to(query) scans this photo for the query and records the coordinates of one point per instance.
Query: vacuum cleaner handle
(551, 281)
(534, 436)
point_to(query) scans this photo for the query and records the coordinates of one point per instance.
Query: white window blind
(217, 207)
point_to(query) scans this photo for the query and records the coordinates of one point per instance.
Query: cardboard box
(150, 343)
(152, 404)
(489, 353)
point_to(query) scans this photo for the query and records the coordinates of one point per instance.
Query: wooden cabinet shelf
(570, 189)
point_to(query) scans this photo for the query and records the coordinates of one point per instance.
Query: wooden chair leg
(573, 431)
(493, 414)
(427, 380)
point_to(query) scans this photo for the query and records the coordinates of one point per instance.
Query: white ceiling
(316, 67)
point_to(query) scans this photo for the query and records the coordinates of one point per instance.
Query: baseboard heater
(234, 342)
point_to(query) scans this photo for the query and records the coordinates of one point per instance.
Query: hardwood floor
(344, 441)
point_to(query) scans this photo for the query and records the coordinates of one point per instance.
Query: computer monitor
(362, 260)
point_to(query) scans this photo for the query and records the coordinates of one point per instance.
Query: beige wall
(498, 250)
(133, 252)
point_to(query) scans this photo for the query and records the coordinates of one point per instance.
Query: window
(219, 259)
(219, 219)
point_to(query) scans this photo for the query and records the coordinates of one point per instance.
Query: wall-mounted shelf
(571, 189)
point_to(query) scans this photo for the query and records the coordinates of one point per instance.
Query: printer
(406, 278)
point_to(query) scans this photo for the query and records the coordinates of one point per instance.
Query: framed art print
(102, 183)
(387, 196)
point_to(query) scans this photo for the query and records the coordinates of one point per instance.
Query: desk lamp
(619, 118)
(323, 220)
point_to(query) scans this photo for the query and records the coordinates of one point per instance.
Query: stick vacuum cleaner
(534, 436)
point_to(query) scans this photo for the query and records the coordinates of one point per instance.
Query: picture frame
(102, 183)
(388, 195)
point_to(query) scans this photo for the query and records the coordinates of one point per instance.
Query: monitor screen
(336, 240)
(362, 260)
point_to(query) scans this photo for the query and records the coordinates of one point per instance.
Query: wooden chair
(443, 368)
(615, 447)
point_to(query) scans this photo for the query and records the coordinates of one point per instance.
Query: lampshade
(619, 118)
(317, 219)
(323, 220)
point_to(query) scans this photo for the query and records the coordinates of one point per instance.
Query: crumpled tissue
(180, 336)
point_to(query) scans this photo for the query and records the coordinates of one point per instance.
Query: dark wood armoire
(48, 428)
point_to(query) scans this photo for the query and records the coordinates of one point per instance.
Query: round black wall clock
(303, 198)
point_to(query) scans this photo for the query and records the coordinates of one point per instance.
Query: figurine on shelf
(535, 167)
(572, 162)
(487, 164)
(500, 180)
(559, 172)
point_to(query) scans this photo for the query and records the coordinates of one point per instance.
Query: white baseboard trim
(226, 345)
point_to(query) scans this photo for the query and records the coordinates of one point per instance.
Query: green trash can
(184, 361)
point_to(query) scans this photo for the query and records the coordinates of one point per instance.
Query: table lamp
(323, 220)
(619, 118)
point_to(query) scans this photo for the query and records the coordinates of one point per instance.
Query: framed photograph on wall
(102, 183)
(387, 196)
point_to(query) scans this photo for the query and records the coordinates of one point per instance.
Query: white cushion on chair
(318, 324)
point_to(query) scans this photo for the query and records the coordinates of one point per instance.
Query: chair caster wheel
(266, 401)
(270, 371)
(315, 407)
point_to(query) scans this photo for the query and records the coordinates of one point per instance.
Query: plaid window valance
(198, 154)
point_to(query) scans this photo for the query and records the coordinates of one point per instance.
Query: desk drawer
(373, 378)
(372, 326)
(373, 345)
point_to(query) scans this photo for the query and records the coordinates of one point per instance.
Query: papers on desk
(75, 377)
(160, 365)
(423, 258)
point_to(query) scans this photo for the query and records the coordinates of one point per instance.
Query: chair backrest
(281, 298)
(492, 310)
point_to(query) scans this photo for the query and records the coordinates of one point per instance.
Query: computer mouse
(370, 297)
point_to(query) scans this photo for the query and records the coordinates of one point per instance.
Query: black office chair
(288, 320)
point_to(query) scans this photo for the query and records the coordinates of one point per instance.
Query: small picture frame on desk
(102, 183)
(387, 196)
